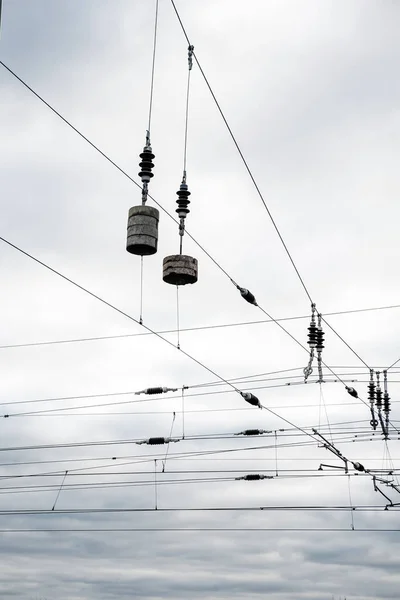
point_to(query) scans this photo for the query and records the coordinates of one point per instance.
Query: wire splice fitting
(253, 477)
(253, 432)
(247, 295)
(251, 399)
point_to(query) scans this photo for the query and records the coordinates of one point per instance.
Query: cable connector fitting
(190, 56)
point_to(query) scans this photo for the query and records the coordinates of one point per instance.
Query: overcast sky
(311, 91)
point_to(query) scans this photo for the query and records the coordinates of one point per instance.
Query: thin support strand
(178, 344)
(59, 491)
(141, 291)
(169, 443)
(153, 67)
(183, 412)
(351, 505)
(155, 485)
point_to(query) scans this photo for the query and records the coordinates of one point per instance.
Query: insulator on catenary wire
(158, 441)
(247, 295)
(352, 391)
(253, 432)
(156, 390)
(251, 399)
(358, 467)
(253, 477)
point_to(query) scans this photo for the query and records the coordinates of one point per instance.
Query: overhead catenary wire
(192, 329)
(127, 530)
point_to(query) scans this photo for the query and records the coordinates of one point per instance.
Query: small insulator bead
(183, 200)
(157, 441)
(253, 477)
(146, 165)
(379, 398)
(352, 391)
(247, 295)
(251, 399)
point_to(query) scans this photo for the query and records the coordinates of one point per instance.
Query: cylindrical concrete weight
(180, 269)
(142, 230)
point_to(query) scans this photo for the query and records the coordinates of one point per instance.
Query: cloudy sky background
(311, 91)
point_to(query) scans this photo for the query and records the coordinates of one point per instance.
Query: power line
(200, 530)
(79, 511)
(155, 399)
(201, 328)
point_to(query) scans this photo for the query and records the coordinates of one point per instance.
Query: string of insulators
(158, 441)
(251, 399)
(146, 165)
(319, 347)
(253, 477)
(156, 390)
(371, 398)
(386, 402)
(312, 342)
(183, 204)
(378, 393)
(253, 432)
